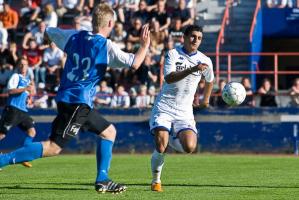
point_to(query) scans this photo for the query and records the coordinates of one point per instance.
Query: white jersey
(178, 97)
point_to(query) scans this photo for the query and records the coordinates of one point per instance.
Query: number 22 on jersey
(80, 70)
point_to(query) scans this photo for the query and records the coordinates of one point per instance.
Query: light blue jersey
(88, 56)
(18, 100)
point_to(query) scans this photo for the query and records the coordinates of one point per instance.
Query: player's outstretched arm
(144, 46)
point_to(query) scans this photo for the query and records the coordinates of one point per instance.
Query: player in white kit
(173, 110)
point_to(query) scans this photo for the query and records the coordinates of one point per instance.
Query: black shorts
(73, 117)
(12, 116)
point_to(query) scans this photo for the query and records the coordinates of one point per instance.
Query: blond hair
(101, 16)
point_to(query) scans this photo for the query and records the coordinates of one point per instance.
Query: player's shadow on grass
(219, 185)
(40, 188)
(24, 187)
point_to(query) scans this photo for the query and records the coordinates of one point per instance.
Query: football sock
(175, 143)
(28, 140)
(104, 156)
(157, 163)
(27, 153)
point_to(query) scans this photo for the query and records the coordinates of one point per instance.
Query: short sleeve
(169, 65)
(59, 36)
(13, 82)
(117, 57)
(209, 74)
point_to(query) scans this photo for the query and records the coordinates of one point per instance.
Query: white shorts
(171, 123)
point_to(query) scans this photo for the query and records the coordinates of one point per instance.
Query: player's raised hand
(145, 36)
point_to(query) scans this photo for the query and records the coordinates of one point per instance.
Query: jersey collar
(185, 52)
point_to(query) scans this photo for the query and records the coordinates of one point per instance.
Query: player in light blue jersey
(88, 55)
(15, 112)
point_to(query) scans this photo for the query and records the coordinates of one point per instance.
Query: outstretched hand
(145, 36)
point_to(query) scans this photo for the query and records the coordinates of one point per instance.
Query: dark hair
(192, 28)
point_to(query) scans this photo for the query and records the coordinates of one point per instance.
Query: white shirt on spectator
(53, 56)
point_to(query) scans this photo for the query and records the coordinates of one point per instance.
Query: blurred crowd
(282, 3)
(22, 27)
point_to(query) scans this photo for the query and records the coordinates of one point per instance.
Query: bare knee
(50, 148)
(2, 136)
(31, 132)
(190, 147)
(161, 148)
(109, 133)
(161, 140)
(188, 140)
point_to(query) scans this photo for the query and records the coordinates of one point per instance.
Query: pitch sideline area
(200, 176)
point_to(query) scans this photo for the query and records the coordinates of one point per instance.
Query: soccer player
(16, 113)
(173, 112)
(88, 54)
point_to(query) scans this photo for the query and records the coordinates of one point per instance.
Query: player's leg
(63, 124)
(26, 124)
(107, 133)
(7, 121)
(160, 126)
(161, 136)
(185, 136)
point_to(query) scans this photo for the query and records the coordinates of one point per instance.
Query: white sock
(176, 144)
(157, 163)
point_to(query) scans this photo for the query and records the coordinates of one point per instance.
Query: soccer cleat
(27, 164)
(157, 187)
(109, 186)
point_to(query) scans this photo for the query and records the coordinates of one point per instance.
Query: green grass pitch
(184, 177)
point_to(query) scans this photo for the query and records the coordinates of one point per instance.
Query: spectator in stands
(249, 100)
(29, 13)
(103, 96)
(157, 38)
(10, 20)
(294, 92)
(161, 15)
(34, 57)
(52, 59)
(218, 101)
(142, 99)
(50, 18)
(184, 13)
(168, 45)
(152, 94)
(11, 54)
(85, 19)
(5, 74)
(119, 35)
(199, 93)
(133, 95)
(40, 100)
(176, 31)
(37, 34)
(134, 32)
(142, 12)
(120, 98)
(280, 3)
(3, 37)
(267, 93)
(147, 73)
(73, 7)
